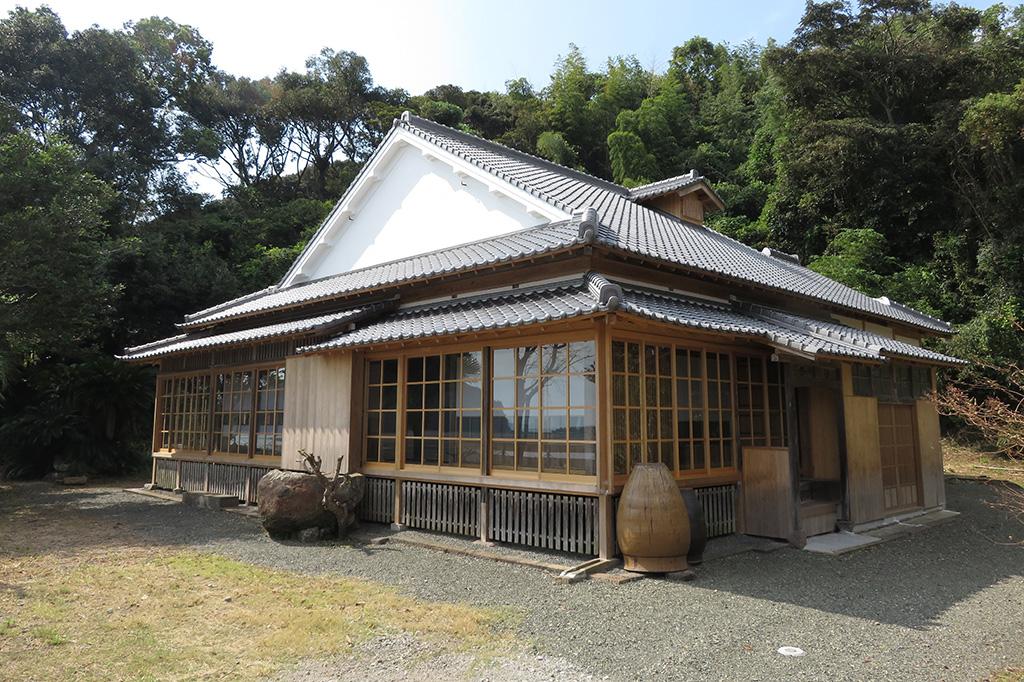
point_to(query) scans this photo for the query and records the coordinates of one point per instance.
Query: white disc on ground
(791, 651)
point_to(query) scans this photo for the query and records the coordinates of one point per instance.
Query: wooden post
(152, 476)
(606, 526)
(206, 477)
(844, 478)
(485, 517)
(177, 479)
(248, 485)
(396, 521)
(797, 539)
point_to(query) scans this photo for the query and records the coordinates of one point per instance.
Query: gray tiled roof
(665, 186)
(625, 225)
(514, 308)
(595, 293)
(187, 342)
(530, 242)
(635, 228)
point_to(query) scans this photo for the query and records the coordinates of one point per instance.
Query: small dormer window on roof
(687, 197)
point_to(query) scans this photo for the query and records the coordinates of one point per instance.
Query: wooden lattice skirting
(566, 523)
(211, 477)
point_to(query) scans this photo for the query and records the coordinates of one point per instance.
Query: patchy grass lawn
(965, 460)
(138, 613)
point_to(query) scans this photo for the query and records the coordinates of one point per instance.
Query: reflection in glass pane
(471, 395)
(470, 453)
(554, 424)
(472, 365)
(583, 459)
(582, 425)
(450, 450)
(527, 455)
(502, 424)
(503, 454)
(527, 360)
(430, 451)
(504, 393)
(555, 358)
(582, 357)
(504, 363)
(555, 391)
(387, 450)
(554, 459)
(528, 392)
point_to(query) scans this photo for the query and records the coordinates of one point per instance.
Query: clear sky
(416, 44)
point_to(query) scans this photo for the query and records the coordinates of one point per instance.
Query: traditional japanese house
(495, 340)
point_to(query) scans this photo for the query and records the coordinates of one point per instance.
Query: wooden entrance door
(898, 441)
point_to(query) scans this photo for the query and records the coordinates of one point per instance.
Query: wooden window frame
(441, 410)
(212, 374)
(486, 347)
(707, 471)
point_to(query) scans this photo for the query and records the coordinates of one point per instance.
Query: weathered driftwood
(342, 493)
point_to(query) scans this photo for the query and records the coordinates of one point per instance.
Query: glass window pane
(555, 391)
(583, 459)
(582, 357)
(472, 365)
(554, 460)
(471, 395)
(504, 363)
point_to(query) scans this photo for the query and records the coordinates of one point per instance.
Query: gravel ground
(944, 604)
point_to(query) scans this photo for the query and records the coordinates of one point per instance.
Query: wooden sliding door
(898, 443)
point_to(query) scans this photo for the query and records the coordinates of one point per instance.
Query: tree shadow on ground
(42, 518)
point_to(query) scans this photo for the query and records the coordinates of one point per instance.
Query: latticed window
(897, 383)
(690, 409)
(269, 411)
(750, 401)
(720, 431)
(778, 427)
(760, 403)
(185, 413)
(232, 412)
(443, 401)
(381, 410)
(672, 405)
(544, 409)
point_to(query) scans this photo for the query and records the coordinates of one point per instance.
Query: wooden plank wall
(768, 501)
(822, 436)
(863, 459)
(933, 484)
(318, 393)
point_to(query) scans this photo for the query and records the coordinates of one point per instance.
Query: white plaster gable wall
(418, 204)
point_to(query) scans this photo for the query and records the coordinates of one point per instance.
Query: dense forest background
(884, 144)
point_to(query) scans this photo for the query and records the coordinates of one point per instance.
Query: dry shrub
(991, 406)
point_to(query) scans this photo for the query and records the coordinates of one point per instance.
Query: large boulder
(290, 502)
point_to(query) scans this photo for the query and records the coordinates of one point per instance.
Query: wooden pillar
(248, 485)
(152, 475)
(484, 517)
(844, 475)
(606, 526)
(396, 521)
(206, 477)
(177, 479)
(797, 539)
